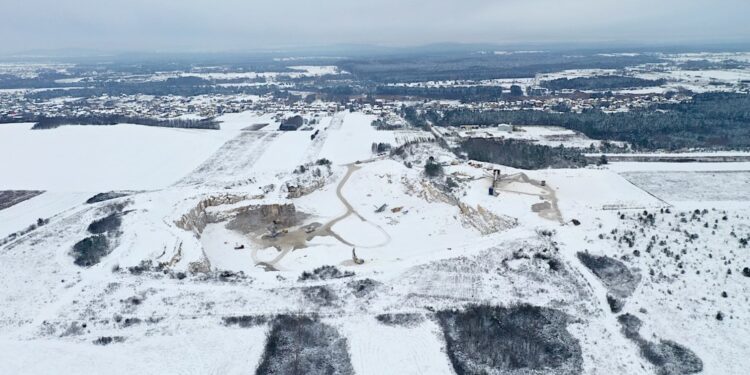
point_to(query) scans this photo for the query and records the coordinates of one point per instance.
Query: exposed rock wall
(197, 218)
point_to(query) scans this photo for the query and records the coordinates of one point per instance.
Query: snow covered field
(552, 136)
(353, 140)
(90, 158)
(694, 186)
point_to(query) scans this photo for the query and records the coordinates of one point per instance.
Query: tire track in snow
(317, 144)
(232, 161)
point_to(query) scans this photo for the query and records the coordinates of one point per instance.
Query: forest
(521, 154)
(465, 94)
(473, 66)
(182, 86)
(708, 121)
(600, 83)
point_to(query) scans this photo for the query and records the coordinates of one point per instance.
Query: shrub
(101, 197)
(669, 357)
(245, 321)
(106, 340)
(523, 339)
(324, 273)
(109, 223)
(615, 304)
(361, 288)
(299, 345)
(400, 319)
(618, 279)
(319, 295)
(433, 169)
(90, 250)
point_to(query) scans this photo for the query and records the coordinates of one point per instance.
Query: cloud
(175, 25)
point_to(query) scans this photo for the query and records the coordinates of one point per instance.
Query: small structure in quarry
(495, 179)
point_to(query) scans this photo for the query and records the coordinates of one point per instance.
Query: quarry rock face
(259, 217)
(197, 218)
(278, 212)
(250, 218)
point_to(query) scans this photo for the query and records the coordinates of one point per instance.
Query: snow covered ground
(694, 186)
(44, 206)
(353, 141)
(160, 299)
(552, 136)
(92, 158)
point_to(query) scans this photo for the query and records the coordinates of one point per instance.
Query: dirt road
(548, 208)
(325, 229)
(351, 211)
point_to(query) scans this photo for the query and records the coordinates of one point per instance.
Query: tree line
(54, 122)
(600, 83)
(465, 94)
(521, 154)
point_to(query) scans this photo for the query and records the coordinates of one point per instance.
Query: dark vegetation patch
(513, 340)
(145, 266)
(230, 276)
(9, 198)
(106, 340)
(630, 326)
(471, 93)
(616, 276)
(320, 295)
(90, 250)
(74, 329)
(54, 122)
(109, 223)
(129, 322)
(105, 233)
(400, 319)
(432, 168)
(362, 288)
(554, 263)
(521, 154)
(134, 300)
(380, 147)
(600, 83)
(162, 270)
(669, 357)
(299, 345)
(615, 304)
(101, 197)
(324, 273)
(245, 321)
(451, 64)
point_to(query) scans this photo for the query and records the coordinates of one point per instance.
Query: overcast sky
(241, 25)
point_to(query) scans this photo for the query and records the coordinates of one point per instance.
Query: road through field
(327, 228)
